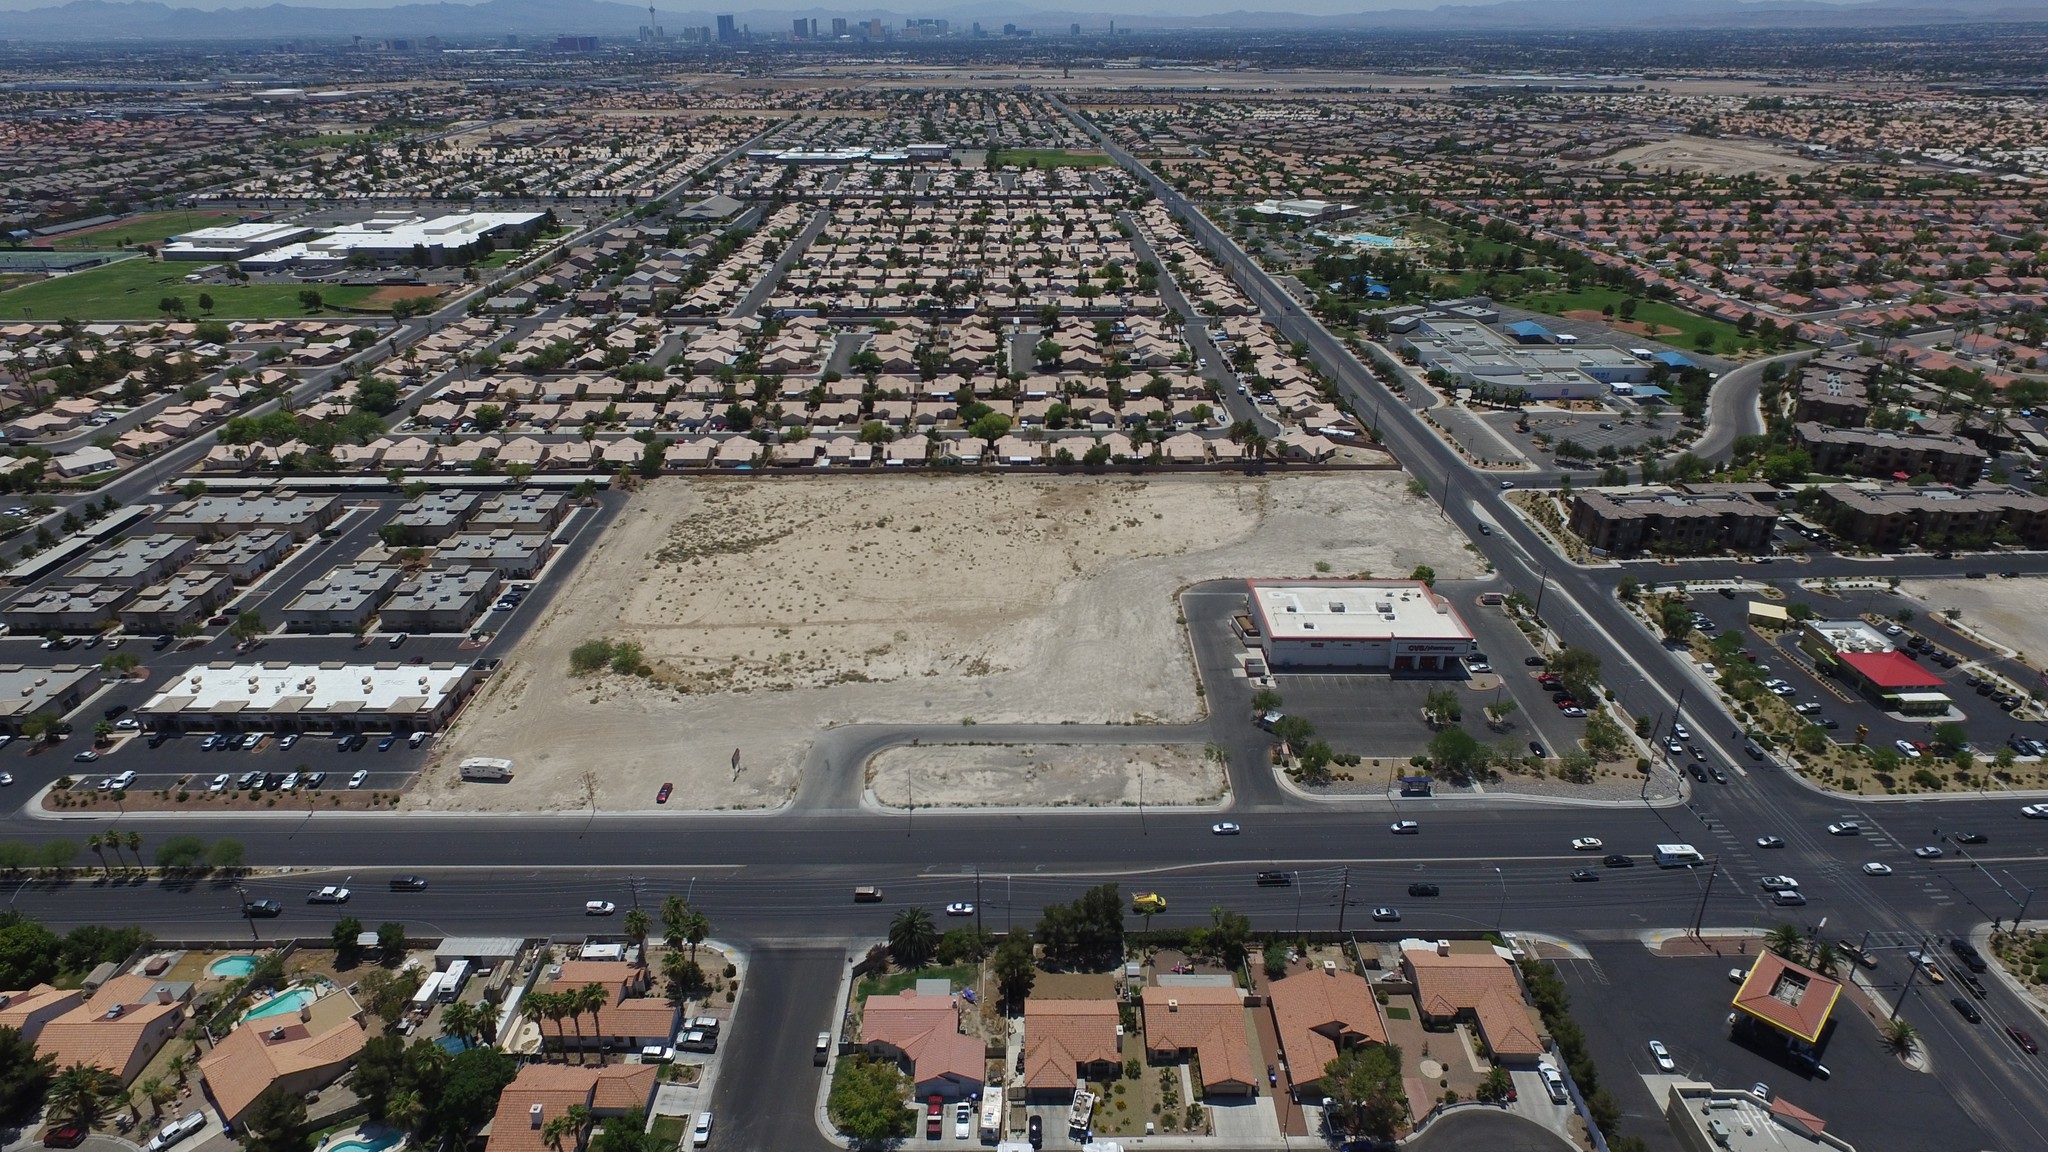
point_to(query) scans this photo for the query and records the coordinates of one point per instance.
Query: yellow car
(1148, 903)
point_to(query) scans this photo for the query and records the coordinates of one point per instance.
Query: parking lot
(1944, 652)
(347, 766)
(1869, 1100)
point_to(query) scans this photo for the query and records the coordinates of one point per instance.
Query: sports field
(134, 290)
(152, 228)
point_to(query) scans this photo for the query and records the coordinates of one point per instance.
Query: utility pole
(634, 882)
(1297, 901)
(1912, 971)
(1343, 899)
(1542, 584)
(243, 893)
(1009, 887)
(1701, 915)
(977, 899)
(1501, 913)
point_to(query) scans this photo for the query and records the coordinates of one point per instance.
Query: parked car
(219, 784)
(667, 788)
(356, 780)
(67, 1136)
(700, 1134)
(934, 1118)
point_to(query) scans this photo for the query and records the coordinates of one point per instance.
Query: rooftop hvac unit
(533, 1115)
(1330, 967)
(1172, 1005)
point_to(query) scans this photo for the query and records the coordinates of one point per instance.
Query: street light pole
(1542, 583)
(1502, 912)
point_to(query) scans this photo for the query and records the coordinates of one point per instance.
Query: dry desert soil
(769, 609)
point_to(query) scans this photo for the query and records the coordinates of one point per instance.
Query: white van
(656, 1054)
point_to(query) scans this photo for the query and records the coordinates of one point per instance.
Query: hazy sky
(982, 8)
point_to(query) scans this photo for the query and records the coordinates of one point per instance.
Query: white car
(1587, 844)
(175, 1131)
(963, 1121)
(1906, 749)
(1662, 1056)
(328, 895)
(127, 724)
(1778, 884)
(6, 778)
(599, 907)
(960, 908)
(219, 784)
(701, 1134)
(1928, 853)
(1845, 828)
(1679, 730)
(2035, 811)
(287, 740)
(1404, 828)
(356, 781)
(1225, 829)
(1875, 869)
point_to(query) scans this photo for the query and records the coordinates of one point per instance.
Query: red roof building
(1791, 999)
(1891, 671)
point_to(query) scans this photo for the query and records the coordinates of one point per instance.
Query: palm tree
(675, 913)
(135, 846)
(94, 844)
(405, 1110)
(1786, 941)
(574, 1121)
(536, 1007)
(637, 925)
(458, 1020)
(487, 1014)
(1825, 959)
(1899, 1037)
(570, 1005)
(78, 1094)
(696, 926)
(158, 1094)
(912, 938)
(593, 998)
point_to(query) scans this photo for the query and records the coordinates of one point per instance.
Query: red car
(69, 1136)
(661, 797)
(934, 1118)
(2025, 1041)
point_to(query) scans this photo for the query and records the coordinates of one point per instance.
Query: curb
(818, 1114)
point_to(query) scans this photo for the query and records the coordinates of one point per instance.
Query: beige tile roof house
(1318, 1013)
(544, 1092)
(299, 1054)
(924, 1033)
(1208, 1021)
(119, 1027)
(1480, 985)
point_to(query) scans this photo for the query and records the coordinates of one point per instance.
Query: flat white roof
(1355, 610)
(240, 233)
(401, 689)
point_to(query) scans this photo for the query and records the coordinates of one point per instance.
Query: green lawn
(153, 228)
(1663, 316)
(130, 290)
(894, 982)
(1048, 158)
(668, 1131)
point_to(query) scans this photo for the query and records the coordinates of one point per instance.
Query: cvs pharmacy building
(1396, 625)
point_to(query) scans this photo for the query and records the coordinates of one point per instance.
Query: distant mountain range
(104, 21)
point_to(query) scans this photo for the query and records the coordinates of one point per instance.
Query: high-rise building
(800, 29)
(1074, 29)
(727, 30)
(838, 27)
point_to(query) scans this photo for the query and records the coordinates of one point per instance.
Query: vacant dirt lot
(1044, 775)
(1715, 157)
(768, 609)
(2003, 611)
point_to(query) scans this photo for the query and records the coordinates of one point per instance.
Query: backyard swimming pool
(231, 967)
(283, 1003)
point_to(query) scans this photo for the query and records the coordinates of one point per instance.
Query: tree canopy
(1089, 929)
(866, 1103)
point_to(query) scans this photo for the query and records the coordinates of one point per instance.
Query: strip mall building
(1395, 625)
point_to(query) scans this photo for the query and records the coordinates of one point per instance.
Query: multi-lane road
(781, 882)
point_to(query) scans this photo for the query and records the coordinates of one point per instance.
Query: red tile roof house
(119, 1028)
(1209, 1022)
(630, 1020)
(1482, 988)
(298, 1054)
(1317, 1014)
(544, 1092)
(1066, 1041)
(922, 1034)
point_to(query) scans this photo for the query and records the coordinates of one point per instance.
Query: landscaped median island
(1079, 1028)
